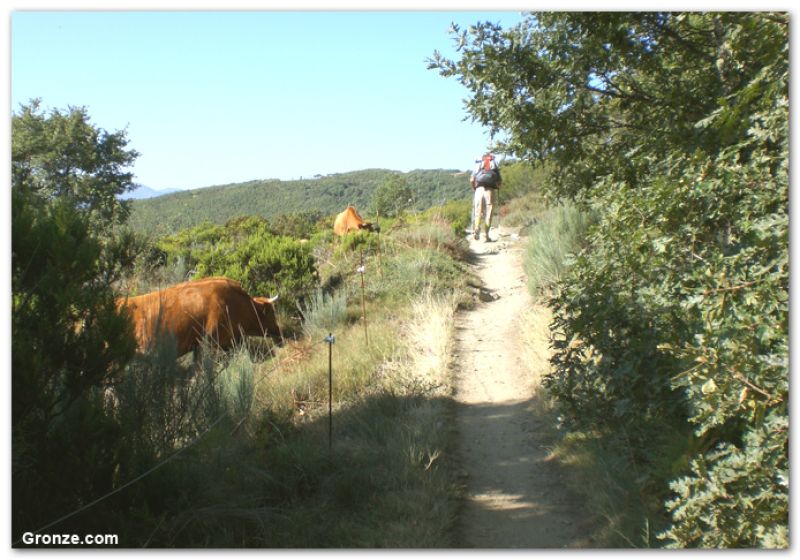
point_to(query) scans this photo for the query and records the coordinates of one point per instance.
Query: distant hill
(328, 194)
(142, 192)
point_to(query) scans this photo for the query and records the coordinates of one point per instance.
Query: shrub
(264, 264)
(300, 225)
(324, 313)
(457, 212)
(754, 473)
(163, 407)
(520, 178)
(246, 251)
(358, 241)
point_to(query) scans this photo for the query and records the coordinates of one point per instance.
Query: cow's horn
(273, 299)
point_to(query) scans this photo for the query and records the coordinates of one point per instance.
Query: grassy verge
(385, 481)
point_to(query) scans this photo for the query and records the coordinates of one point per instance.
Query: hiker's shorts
(482, 200)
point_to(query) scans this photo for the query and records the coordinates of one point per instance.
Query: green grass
(552, 240)
(386, 481)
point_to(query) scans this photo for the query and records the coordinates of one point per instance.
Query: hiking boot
(476, 235)
(488, 239)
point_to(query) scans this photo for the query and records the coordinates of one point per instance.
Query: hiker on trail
(485, 180)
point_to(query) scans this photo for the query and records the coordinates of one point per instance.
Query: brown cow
(217, 308)
(349, 220)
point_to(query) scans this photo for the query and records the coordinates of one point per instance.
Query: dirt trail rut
(515, 497)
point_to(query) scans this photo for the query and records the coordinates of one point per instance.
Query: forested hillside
(327, 195)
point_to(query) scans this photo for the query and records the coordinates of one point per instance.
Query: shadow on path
(516, 496)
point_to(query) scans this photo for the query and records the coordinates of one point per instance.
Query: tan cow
(349, 220)
(217, 308)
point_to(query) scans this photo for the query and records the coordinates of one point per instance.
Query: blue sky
(210, 98)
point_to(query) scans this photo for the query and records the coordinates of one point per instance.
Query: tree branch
(755, 388)
(682, 41)
(731, 288)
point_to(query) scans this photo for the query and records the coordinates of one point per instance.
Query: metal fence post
(363, 303)
(330, 339)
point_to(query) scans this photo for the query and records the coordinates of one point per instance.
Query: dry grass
(429, 338)
(552, 243)
(536, 343)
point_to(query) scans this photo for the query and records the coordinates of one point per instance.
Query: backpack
(488, 175)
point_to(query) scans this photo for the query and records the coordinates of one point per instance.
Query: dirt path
(515, 497)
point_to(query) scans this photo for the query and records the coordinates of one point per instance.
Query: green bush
(392, 197)
(186, 246)
(161, 407)
(520, 178)
(756, 473)
(300, 225)
(264, 264)
(358, 241)
(245, 250)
